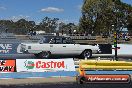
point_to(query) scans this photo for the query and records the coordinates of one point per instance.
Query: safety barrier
(30, 68)
(106, 71)
(105, 65)
(43, 65)
(36, 68)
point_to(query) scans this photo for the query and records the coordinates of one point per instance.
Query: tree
(5, 25)
(98, 16)
(67, 28)
(62, 28)
(23, 26)
(129, 25)
(49, 25)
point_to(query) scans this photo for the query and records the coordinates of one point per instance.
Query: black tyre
(81, 80)
(44, 54)
(86, 54)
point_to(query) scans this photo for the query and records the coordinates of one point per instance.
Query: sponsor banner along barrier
(42, 65)
(7, 66)
(108, 78)
(120, 72)
(9, 48)
(124, 49)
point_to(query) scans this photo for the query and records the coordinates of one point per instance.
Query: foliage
(98, 16)
(49, 25)
(23, 26)
(67, 28)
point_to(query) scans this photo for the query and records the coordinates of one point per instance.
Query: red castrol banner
(42, 65)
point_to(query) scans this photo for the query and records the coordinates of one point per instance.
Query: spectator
(62, 31)
(34, 33)
(70, 31)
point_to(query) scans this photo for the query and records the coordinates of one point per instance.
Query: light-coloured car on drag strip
(59, 45)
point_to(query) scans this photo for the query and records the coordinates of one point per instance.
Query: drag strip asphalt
(63, 82)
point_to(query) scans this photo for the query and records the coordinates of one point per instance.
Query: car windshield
(45, 39)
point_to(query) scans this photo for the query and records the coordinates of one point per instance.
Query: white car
(56, 45)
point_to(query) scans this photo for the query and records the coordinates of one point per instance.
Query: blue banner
(9, 48)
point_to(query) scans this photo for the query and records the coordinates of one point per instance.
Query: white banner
(41, 65)
(124, 49)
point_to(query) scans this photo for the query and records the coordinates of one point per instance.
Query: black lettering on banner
(2, 62)
(6, 68)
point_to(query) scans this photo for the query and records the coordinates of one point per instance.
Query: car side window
(64, 41)
(67, 41)
(58, 41)
(42, 41)
(61, 40)
(52, 41)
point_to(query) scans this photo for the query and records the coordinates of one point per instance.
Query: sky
(35, 10)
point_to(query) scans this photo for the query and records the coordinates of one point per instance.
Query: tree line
(49, 25)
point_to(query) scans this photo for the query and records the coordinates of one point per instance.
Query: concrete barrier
(111, 71)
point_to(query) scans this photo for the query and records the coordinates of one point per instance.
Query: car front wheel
(44, 54)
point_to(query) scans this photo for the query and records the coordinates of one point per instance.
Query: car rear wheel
(45, 54)
(86, 54)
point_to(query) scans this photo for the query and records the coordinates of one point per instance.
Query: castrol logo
(43, 64)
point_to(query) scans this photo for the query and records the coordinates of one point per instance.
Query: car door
(56, 46)
(69, 47)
